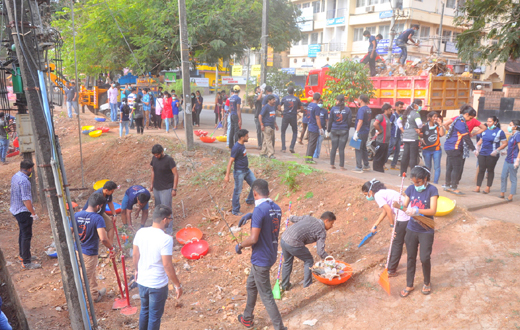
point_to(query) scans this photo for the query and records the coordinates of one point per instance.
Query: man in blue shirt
(235, 116)
(241, 171)
(395, 138)
(135, 195)
(107, 191)
(91, 229)
(291, 105)
(265, 229)
(314, 127)
(147, 107)
(277, 104)
(402, 40)
(370, 58)
(324, 118)
(267, 118)
(364, 115)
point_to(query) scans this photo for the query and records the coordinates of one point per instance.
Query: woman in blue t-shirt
(512, 160)
(338, 126)
(421, 199)
(488, 150)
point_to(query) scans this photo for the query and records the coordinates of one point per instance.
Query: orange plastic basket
(335, 281)
(188, 233)
(207, 139)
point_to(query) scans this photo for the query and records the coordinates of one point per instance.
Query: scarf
(465, 151)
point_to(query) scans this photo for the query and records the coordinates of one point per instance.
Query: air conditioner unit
(370, 9)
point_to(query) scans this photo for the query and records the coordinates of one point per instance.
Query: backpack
(138, 111)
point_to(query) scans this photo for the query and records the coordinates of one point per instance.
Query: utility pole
(265, 35)
(25, 51)
(183, 29)
(389, 59)
(440, 31)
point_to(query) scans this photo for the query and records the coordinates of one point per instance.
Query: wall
(11, 306)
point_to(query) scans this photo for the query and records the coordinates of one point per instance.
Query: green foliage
(310, 194)
(213, 173)
(292, 171)
(350, 78)
(491, 31)
(280, 81)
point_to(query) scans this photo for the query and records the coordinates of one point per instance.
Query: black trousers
(25, 222)
(157, 121)
(339, 139)
(371, 63)
(410, 154)
(304, 128)
(413, 240)
(139, 125)
(453, 167)
(311, 147)
(259, 135)
(380, 157)
(233, 131)
(286, 121)
(486, 163)
(397, 245)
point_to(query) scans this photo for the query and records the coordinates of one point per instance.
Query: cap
(236, 88)
(309, 99)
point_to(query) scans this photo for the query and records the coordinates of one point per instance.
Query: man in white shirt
(112, 101)
(153, 267)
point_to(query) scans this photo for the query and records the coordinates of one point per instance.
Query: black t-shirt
(291, 104)
(240, 154)
(162, 172)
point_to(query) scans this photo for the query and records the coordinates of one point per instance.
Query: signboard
(314, 50)
(386, 14)
(270, 56)
(236, 71)
(170, 76)
(382, 47)
(336, 21)
(451, 47)
(302, 71)
(289, 70)
(25, 133)
(306, 26)
(256, 69)
(200, 82)
(306, 20)
(236, 80)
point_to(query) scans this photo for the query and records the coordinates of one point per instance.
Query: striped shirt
(306, 230)
(20, 191)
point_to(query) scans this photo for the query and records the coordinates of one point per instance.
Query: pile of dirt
(420, 67)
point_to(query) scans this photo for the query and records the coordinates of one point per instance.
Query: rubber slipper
(455, 192)
(485, 192)
(426, 287)
(405, 293)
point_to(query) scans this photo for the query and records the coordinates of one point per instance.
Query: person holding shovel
(265, 227)
(306, 230)
(375, 190)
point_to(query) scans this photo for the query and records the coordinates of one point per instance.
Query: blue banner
(386, 14)
(314, 50)
(336, 21)
(382, 47)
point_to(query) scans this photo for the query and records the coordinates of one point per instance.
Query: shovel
(218, 126)
(366, 239)
(277, 294)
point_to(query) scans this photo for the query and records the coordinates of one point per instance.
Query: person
(235, 116)
(291, 105)
(277, 105)
(314, 127)
(383, 127)
(217, 110)
(259, 94)
(492, 141)
(225, 114)
(131, 101)
(138, 114)
(167, 113)
(306, 230)
(395, 138)
(165, 178)
(158, 111)
(4, 322)
(107, 192)
(91, 229)
(323, 118)
(512, 160)
(198, 106)
(112, 100)
(4, 137)
(370, 58)
(127, 91)
(71, 98)
(265, 228)
(421, 197)
(431, 134)
(152, 258)
(241, 171)
(22, 209)
(135, 195)
(364, 115)
(124, 118)
(147, 107)
(305, 119)
(175, 111)
(375, 190)
(411, 124)
(402, 40)
(268, 124)
(457, 146)
(338, 127)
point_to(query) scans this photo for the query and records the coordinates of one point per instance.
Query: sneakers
(31, 265)
(20, 259)
(247, 324)
(287, 288)
(357, 170)
(291, 151)
(272, 157)
(238, 213)
(367, 168)
(394, 168)
(101, 294)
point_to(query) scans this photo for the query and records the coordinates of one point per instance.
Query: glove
(245, 219)
(36, 217)
(411, 211)
(355, 137)
(238, 249)
(517, 163)
(475, 152)
(322, 132)
(327, 134)
(503, 152)
(494, 153)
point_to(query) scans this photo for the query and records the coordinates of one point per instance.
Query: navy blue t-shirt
(370, 40)
(132, 194)
(406, 34)
(276, 103)
(512, 148)
(234, 100)
(291, 104)
(422, 201)
(266, 216)
(306, 115)
(88, 224)
(340, 118)
(239, 153)
(393, 120)
(108, 200)
(268, 114)
(491, 140)
(364, 113)
(314, 111)
(324, 115)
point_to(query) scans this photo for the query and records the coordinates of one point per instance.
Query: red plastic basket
(188, 233)
(207, 139)
(195, 249)
(200, 133)
(335, 281)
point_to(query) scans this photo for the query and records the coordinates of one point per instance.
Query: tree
(491, 32)
(349, 78)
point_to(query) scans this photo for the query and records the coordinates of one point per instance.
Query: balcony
(340, 12)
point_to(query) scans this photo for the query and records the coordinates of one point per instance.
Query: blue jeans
(240, 176)
(167, 124)
(4, 322)
(436, 156)
(152, 307)
(69, 108)
(113, 111)
(508, 170)
(4, 145)
(318, 147)
(126, 126)
(228, 130)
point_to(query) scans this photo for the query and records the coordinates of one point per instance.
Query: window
(455, 35)
(306, 5)
(450, 4)
(299, 6)
(360, 3)
(358, 34)
(313, 80)
(384, 30)
(371, 2)
(446, 36)
(372, 30)
(295, 43)
(305, 39)
(424, 33)
(314, 38)
(384, 1)
(316, 5)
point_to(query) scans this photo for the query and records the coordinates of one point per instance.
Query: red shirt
(471, 123)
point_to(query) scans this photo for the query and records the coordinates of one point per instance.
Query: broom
(276, 290)
(424, 221)
(383, 279)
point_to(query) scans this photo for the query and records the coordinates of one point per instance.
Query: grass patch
(211, 174)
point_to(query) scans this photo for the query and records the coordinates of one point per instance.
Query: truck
(438, 93)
